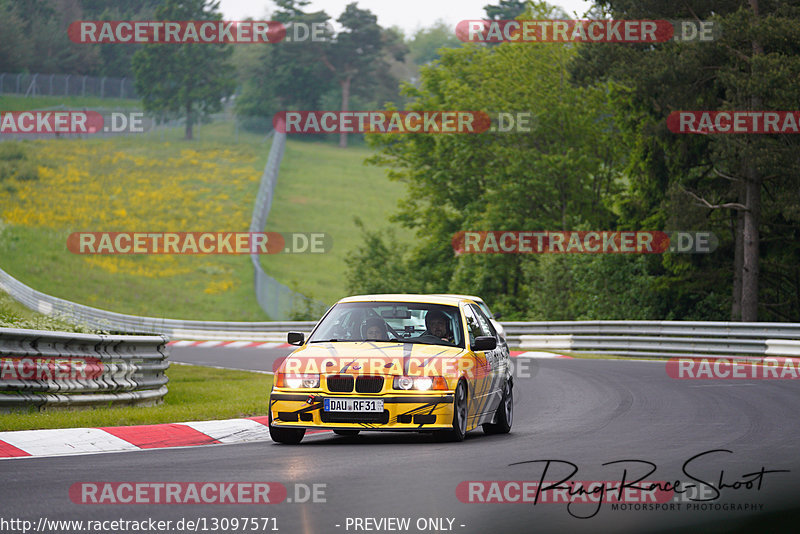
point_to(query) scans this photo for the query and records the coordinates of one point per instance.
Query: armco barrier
(660, 339)
(56, 369)
(174, 328)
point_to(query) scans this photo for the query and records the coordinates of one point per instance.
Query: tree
(184, 79)
(304, 74)
(15, 44)
(44, 46)
(424, 46)
(288, 74)
(559, 175)
(747, 183)
(115, 59)
(355, 54)
(505, 9)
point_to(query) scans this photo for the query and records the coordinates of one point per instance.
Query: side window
(473, 325)
(485, 324)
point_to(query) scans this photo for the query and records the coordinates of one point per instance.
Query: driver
(436, 323)
(376, 329)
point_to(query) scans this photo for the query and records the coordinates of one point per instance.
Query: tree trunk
(738, 239)
(189, 121)
(752, 214)
(750, 243)
(345, 83)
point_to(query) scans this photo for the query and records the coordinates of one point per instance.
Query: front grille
(340, 383)
(369, 384)
(355, 417)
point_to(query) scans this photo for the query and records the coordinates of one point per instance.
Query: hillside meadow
(159, 182)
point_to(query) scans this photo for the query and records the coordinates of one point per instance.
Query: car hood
(373, 358)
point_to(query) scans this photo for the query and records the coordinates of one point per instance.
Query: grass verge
(15, 315)
(159, 182)
(195, 394)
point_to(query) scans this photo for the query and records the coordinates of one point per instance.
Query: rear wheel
(289, 436)
(344, 432)
(459, 429)
(505, 413)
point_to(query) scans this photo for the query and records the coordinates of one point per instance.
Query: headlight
(298, 381)
(403, 382)
(423, 383)
(420, 383)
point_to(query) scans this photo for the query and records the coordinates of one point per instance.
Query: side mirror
(295, 338)
(498, 315)
(484, 343)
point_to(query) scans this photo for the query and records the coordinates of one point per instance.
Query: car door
(482, 373)
(497, 361)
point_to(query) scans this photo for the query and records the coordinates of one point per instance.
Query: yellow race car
(421, 363)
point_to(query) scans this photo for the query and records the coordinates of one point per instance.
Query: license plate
(353, 405)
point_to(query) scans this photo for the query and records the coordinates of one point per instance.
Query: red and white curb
(230, 344)
(537, 354)
(71, 441)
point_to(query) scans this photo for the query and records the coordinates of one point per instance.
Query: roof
(469, 297)
(450, 300)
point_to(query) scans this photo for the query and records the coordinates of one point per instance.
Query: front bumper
(401, 412)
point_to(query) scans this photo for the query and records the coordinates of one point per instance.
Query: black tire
(459, 429)
(344, 432)
(505, 413)
(288, 436)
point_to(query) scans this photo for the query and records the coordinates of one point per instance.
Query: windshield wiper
(323, 340)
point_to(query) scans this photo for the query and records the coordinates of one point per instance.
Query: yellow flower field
(119, 186)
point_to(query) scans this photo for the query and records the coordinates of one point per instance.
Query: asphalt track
(587, 412)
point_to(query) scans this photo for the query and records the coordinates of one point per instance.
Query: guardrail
(98, 319)
(660, 339)
(56, 369)
(663, 339)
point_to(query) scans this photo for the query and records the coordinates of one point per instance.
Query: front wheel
(289, 436)
(505, 413)
(459, 429)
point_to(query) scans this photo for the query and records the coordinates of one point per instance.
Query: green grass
(22, 103)
(15, 315)
(321, 188)
(195, 394)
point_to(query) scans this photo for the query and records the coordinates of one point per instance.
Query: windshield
(406, 322)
